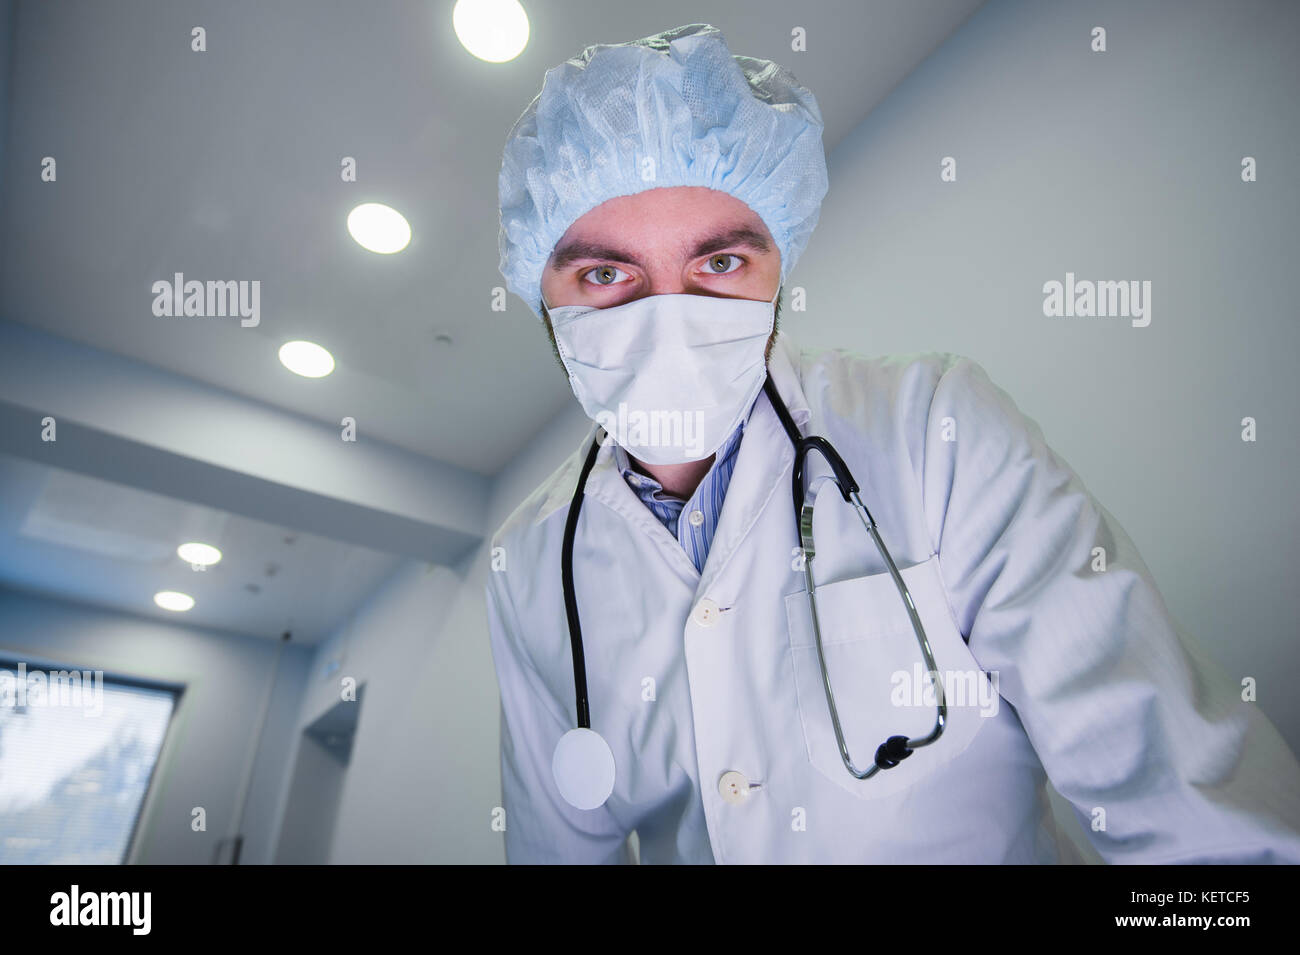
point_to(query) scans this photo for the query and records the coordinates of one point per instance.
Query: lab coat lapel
(606, 485)
(761, 479)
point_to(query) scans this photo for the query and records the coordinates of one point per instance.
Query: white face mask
(669, 377)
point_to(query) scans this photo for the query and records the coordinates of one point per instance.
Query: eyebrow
(576, 250)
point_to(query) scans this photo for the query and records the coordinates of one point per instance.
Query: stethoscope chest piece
(583, 767)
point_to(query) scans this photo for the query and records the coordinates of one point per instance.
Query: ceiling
(225, 165)
(115, 546)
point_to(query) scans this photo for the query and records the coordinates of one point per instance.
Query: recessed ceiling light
(196, 553)
(171, 600)
(379, 228)
(493, 30)
(306, 358)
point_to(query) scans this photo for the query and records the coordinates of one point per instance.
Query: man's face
(679, 239)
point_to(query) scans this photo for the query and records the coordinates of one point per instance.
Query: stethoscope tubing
(570, 597)
(895, 748)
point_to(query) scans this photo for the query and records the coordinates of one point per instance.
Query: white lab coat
(693, 676)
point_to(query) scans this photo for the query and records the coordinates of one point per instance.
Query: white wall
(425, 775)
(212, 731)
(1116, 165)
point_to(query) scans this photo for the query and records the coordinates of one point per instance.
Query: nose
(665, 281)
(672, 284)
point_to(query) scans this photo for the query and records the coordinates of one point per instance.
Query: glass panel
(76, 757)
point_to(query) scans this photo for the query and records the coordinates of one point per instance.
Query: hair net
(674, 109)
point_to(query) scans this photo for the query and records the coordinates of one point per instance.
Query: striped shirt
(695, 534)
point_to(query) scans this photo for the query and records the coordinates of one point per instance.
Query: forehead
(666, 220)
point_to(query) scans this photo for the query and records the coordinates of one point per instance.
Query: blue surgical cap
(674, 109)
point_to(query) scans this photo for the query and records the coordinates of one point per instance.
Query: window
(77, 752)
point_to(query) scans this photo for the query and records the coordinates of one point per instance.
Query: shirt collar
(640, 482)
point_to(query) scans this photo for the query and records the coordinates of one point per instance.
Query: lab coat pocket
(879, 680)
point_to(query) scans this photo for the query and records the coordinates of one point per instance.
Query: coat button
(734, 787)
(706, 612)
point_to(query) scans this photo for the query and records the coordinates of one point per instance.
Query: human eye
(605, 275)
(718, 264)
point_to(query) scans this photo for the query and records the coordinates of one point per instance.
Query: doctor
(654, 198)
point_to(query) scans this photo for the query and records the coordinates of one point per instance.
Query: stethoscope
(583, 763)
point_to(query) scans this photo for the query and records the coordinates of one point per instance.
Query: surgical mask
(669, 377)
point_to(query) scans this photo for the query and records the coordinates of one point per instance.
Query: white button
(696, 518)
(635, 479)
(734, 787)
(706, 613)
